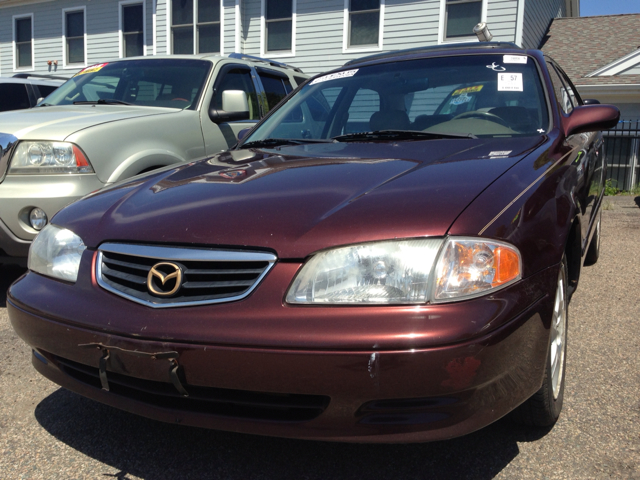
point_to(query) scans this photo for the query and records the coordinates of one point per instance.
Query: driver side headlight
(56, 253)
(400, 272)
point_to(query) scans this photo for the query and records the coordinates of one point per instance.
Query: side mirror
(39, 100)
(234, 107)
(591, 118)
(243, 133)
(591, 101)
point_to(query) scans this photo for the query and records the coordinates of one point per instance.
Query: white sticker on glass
(514, 59)
(502, 153)
(510, 82)
(335, 76)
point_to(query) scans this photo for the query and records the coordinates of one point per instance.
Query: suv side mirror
(591, 118)
(234, 107)
(243, 133)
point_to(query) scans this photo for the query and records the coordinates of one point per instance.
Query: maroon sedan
(387, 257)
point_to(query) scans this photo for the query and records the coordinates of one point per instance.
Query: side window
(13, 96)
(45, 90)
(299, 80)
(274, 88)
(573, 91)
(563, 94)
(238, 79)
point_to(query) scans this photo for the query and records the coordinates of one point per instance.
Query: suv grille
(181, 276)
(214, 401)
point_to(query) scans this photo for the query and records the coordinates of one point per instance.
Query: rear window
(13, 96)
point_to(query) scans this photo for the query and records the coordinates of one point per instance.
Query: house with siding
(62, 36)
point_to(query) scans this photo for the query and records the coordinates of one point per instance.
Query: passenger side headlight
(413, 271)
(56, 253)
(48, 158)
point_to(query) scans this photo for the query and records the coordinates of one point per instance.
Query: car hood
(300, 199)
(58, 122)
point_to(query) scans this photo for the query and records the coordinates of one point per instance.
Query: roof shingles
(582, 45)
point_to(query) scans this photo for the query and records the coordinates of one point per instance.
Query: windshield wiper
(275, 142)
(400, 135)
(103, 101)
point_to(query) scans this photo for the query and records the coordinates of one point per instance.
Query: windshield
(173, 83)
(460, 96)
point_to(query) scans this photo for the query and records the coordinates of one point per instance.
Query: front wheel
(543, 408)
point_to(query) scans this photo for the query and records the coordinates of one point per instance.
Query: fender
(142, 160)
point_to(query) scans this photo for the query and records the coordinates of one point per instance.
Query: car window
(46, 89)
(482, 95)
(564, 95)
(274, 87)
(172, 83)
(238, 79)
(13, 96)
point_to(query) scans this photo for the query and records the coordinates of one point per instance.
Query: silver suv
(118, 119)
(24, 90)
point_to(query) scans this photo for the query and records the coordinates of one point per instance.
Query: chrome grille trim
(136, 261)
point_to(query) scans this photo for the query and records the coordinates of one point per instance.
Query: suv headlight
(48, 158)
(56, 253)
(411, 271)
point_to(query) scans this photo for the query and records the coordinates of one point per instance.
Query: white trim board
(617, 66)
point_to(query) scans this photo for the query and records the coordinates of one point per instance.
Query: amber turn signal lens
(506, 265)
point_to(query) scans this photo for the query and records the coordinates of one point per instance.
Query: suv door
(231, 76)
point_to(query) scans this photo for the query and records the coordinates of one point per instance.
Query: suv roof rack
(48, 77)
(435, 48)
(273, 63)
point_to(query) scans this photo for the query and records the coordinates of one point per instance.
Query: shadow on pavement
(8, 275)
(153, 450)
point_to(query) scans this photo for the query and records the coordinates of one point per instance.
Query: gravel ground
(48, 433)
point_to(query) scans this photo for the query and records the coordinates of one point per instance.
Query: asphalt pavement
(47, 432)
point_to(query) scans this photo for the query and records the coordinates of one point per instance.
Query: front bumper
(322, 392)
(19, 194)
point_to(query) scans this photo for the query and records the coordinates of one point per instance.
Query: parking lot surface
(47, 432)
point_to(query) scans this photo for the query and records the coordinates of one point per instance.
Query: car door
(220, 136)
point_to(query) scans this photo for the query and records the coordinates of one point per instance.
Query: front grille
(206, 276)
(208, 400)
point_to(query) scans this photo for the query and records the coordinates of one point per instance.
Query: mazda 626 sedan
(387, 257)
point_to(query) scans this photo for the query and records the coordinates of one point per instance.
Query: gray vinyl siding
(250, 35)
(162, 42)
(229, 21)
(318, 35)
(537, 17)
(502, 18)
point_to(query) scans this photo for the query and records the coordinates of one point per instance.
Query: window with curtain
(74, 36)
(205, 34)
(278, 25)
(132, 30)
(364, 22)
(461, 17)
(23, 43)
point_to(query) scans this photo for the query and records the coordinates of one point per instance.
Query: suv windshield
(173, 83)
(460, 96)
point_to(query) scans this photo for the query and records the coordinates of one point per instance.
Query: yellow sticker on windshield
(91, 69)
(460, 91)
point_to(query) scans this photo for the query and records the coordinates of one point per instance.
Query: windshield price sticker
(502, 153)
(466, 90)
(522, 59)
(510, 82)
(91, 69)
(335, 76)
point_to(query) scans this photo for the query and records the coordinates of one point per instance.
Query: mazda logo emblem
(160, 280)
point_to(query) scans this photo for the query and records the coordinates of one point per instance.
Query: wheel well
(573, 252)
(148, 169)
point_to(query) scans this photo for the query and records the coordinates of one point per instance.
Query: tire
(543, 408)
(593, 252)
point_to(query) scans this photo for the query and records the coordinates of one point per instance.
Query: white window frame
(442, 24)
(82, 9)
(126, 3)
(14, 46)
(364, 48)
(263, 32)
(169, 6)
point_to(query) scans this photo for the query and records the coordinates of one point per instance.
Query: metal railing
(622, 151)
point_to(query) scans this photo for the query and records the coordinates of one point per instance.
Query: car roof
(53, 82)
(439, 50)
